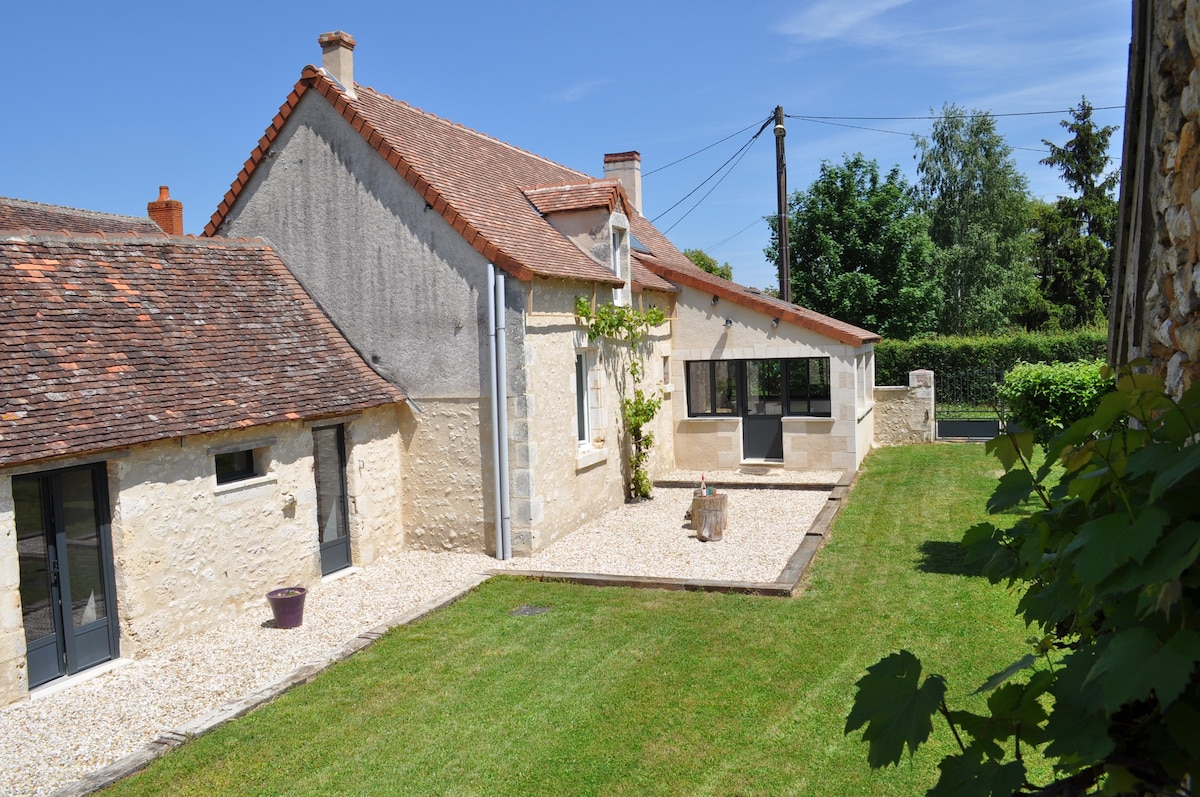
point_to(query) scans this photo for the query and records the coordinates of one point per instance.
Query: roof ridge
(82, 211)
(27, 234)
(474, 132)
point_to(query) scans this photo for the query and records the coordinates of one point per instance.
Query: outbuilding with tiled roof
(175, 420)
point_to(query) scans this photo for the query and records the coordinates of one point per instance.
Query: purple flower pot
(287, 604)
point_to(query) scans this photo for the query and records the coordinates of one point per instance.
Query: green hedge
(1046, 398)
(894, 359)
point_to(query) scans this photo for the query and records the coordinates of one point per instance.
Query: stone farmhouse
(374, 347)
(452, 262)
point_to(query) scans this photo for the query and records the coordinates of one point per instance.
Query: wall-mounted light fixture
(728, 322)
(774, 323)
(716, 299)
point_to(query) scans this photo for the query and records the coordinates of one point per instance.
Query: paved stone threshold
(787, 585)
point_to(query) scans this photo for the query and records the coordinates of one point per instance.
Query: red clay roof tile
(111, 342)
(20, 214)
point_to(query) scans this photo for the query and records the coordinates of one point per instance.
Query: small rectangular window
(234, 466)
(712, 387)
(581, 398)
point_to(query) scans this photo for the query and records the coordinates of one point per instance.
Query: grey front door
(329, 469)
(762, 412)
(65, 558)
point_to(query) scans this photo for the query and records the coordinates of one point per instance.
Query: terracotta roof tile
(20, 214)
(110, 342)
(687, 273)
(578, 196)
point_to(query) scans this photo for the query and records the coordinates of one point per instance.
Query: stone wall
(699, 333)
(1156, 290)
(905, 414)
(189, 554)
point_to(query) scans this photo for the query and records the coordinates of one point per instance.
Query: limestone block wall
(1156, 306)
(375, 485)
(905, 414)
(564, 484)
(699, 333)
(14, 681)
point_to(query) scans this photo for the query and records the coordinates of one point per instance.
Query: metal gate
(968, 404)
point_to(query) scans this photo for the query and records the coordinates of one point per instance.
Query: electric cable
(738, 154)
(723, 241)
(705, 149)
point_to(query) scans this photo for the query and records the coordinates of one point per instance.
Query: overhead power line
(697, 152)
(939, 116)
(735, 158)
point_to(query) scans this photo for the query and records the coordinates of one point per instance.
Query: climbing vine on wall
(622, 324)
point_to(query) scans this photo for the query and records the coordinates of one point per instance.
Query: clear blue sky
(105, 101)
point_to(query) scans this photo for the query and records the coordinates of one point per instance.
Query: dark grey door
(329, 467)
(762, 413)
(65, 560)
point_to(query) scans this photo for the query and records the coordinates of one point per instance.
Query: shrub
(894, 359)
(1108, 569)
(1047, 398)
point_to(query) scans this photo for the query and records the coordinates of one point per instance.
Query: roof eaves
(739, 294)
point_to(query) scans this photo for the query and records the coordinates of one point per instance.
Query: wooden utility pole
(785, 261)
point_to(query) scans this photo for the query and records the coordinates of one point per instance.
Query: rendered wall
(189, 554)
(699, 333)
(409, 293)
(563, 485)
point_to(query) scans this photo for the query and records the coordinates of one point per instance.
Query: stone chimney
(337, 59)
(626, 167)
(167, 213)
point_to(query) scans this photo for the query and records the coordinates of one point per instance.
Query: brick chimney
(167, 213)
(337, 59)
(626, 167)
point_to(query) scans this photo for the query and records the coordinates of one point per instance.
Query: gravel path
(55, 740)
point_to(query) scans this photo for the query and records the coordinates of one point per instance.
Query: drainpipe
(491, 327)
(498, 373)
(502, 406)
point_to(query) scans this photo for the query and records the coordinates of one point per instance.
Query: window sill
(587, 457)
(866, 411)
(667, 389)
(244, 484)
(809, 418)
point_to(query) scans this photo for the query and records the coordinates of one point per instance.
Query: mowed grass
(641, 692)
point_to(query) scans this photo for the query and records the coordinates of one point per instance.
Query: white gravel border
(57, 739)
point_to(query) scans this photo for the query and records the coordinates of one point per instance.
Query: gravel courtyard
(56, 739)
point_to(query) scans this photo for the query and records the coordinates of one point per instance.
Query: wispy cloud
(834, 19)
(577, 91)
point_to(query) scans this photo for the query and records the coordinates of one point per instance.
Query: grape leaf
(896, 708)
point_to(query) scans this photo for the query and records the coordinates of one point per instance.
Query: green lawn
(639, 692)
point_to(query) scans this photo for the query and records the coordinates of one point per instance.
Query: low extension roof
(21, 214)
(108, 342)
(492, 193)
(695, 277)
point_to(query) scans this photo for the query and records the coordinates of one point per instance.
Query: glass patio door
(329, 469)
(762, 412)
(65, 562)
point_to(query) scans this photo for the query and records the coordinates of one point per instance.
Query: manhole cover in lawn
(529, 611)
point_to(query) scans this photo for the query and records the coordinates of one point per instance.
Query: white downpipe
(501, 367)
(493, 394)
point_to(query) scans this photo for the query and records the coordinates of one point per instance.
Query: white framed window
(619, 249)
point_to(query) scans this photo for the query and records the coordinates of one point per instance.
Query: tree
(707, 262)
(860, 251)
(1108, 569)
(1073, 247)
(976, 200)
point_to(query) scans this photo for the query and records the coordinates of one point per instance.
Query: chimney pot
(626, 167)
(337, 59)
(167, 213)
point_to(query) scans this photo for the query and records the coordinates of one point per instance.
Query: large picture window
(796, 386)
